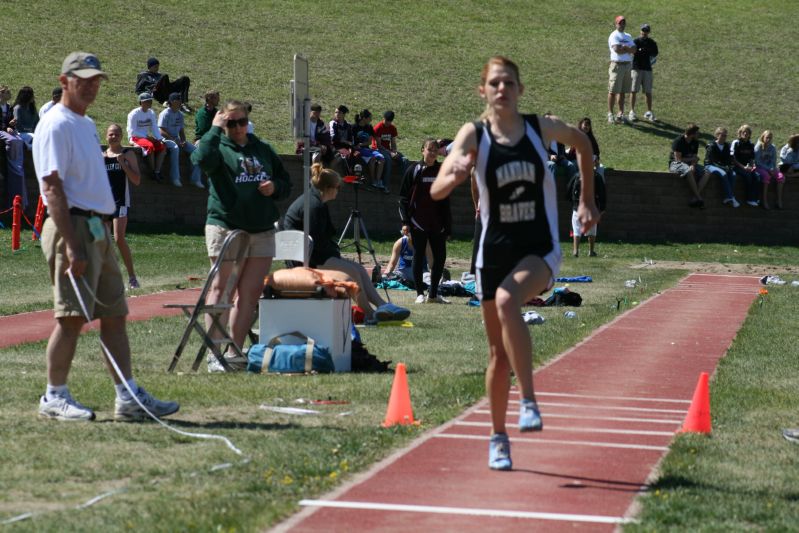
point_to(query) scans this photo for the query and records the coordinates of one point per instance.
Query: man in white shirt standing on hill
(622, 47)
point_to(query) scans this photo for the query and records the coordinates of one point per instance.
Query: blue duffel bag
(290, 353)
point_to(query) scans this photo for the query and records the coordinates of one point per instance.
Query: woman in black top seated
(325, 253)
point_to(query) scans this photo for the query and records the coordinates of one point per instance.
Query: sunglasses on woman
(243, 121)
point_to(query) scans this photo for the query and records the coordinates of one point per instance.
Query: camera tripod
(359, 228)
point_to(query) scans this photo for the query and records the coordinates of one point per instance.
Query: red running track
(36, 326)
(610, 406)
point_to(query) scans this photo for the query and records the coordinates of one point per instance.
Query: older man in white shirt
(622, 47)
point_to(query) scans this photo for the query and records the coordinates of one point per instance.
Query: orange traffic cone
(698, 418)
(399, 404)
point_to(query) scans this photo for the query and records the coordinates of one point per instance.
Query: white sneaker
(131, 410)
(420, 299)
(66, 408)
(437, 300)
(235, 363)
(632, 116)
(611, 120)
(649, 116)
(735, 203)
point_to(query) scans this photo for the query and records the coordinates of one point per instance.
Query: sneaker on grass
(499, 452)
(529, 416)
(420, 299)
(791, 434)
(632, 116)
(390, 311)
(437, 300)
(235, 363)
(611, 120)
(64, 408)
(131, 410)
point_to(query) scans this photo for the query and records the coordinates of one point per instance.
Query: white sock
(122, 391)
(56, 391)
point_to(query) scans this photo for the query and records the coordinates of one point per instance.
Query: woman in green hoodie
(246, 177)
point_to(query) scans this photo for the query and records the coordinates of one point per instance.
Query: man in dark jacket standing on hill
(646, 52)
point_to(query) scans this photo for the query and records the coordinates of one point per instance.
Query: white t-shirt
(141, 123)
(68, 142)
(624, 39)
(45, 108)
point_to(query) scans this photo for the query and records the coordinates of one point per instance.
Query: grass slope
(721, 63)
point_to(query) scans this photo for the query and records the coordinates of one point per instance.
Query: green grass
(721, 63)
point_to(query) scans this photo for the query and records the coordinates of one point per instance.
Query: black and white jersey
(119, 181)
(518, 199)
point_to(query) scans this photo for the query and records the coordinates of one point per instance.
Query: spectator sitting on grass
(743, 164)
(789, 157)
(364, 135)
(585, 127)
(153, 82)
(205, 116)
(55, 99)
(718, 160)
(25, 115)
(171, 124)
(385, 134)
(557, 158)
(766, 167)
(14, 151)
(683, 161)
(143, 131)
(318, 135)
(401, 261)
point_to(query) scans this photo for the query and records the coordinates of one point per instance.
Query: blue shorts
(367, 154)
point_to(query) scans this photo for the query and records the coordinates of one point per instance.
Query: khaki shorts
(262, 244)
(619, 77)
(102, 273)
(642, 78)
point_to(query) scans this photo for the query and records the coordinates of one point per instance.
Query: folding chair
(196, 312)
(289, 245)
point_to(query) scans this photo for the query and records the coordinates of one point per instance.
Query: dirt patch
(719, 268)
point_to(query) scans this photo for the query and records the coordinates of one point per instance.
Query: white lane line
(497, 513)
(611, 407)
(584, 429)
(556, 441)
(590, 417)
(599, 397)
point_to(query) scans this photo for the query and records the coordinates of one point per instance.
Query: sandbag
(304, 282)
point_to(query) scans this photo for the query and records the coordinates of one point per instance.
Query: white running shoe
(64, 408)
(420, 299)
(611, 120)
(131, 410)
(649, 116)
(437, 300)
(235, 363)
(632, 116)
